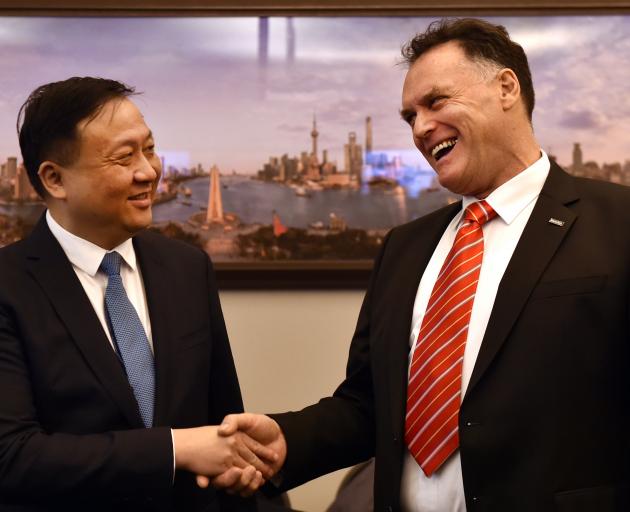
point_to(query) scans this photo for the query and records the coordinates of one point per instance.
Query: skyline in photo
(213, 95)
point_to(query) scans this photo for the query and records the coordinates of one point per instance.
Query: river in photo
(254, 201)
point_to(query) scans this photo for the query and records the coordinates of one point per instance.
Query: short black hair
(480, 40)
(50, 115)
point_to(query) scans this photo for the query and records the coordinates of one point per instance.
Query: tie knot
(480, 212)
(111, 263)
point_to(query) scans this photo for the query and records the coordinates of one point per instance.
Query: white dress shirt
(513, 201)
(86, 258)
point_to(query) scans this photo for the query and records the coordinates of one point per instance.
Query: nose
(149, 169)
(423, 126)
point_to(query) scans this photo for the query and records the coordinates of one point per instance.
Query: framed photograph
(283, 152)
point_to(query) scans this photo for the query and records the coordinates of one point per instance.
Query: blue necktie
(129, 335)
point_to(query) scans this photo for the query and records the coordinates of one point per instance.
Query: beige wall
(290, 349)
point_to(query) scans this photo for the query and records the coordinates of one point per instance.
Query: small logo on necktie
(556, 222)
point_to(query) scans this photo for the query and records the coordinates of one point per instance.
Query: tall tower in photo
(577, 156)
(368, 134)
(314, 135)
(313, 171)
(215, 203)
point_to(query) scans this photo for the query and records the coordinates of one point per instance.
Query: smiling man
(490, 366)
(114, 359)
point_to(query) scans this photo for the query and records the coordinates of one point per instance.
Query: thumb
(229, 425)
(202, 481)
(233, 422)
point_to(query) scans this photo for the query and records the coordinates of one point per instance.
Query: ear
(51, 176)
(510, 88)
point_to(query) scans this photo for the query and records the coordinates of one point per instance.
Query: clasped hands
(238, 456)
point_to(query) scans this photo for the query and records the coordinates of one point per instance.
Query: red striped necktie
(435, 375)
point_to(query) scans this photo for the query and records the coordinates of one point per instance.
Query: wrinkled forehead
(439, 69)
(443, 59)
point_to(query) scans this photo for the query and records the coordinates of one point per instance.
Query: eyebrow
(131, 141)
(424, 99)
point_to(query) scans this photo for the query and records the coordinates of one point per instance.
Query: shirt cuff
(173, 443)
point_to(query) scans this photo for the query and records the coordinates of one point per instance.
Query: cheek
(156, 163)
(417, 141)
(110, 199)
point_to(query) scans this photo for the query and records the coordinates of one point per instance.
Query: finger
(202, 481)
(233, 422)
(251, 459)
(259, 449)
(227, 479)
(253, 486)
(229, 425)
(247, 477)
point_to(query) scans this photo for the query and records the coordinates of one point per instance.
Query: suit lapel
(156, 279)
(49, 266)
(412, 263)
(538, 244)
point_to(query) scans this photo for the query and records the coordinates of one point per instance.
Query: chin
(456, 181)
(139, 224)
(451, 183)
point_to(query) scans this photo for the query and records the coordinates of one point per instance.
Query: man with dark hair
(114, 359)
(487, 45)
(490, 366)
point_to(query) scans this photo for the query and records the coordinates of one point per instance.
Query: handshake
(238, 456)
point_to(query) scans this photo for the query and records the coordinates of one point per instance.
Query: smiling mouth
(139, 197)
(443, 148)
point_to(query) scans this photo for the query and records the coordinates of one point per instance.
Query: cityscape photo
(280, 138)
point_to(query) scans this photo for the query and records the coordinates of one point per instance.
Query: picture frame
(312, 274)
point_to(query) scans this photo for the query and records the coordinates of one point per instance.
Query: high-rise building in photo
(353, 157)
(22, 188)
(11, 168)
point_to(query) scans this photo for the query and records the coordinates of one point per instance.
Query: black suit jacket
(71, 437)
(544, 423)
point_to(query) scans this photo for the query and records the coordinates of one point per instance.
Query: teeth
(443, 145)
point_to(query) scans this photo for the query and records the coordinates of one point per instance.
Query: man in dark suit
(114, 358)
(490, 367)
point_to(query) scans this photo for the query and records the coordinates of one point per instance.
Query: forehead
(441, 67)
(119, 119)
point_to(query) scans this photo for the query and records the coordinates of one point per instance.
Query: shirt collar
(84, 254)
(514, 195)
